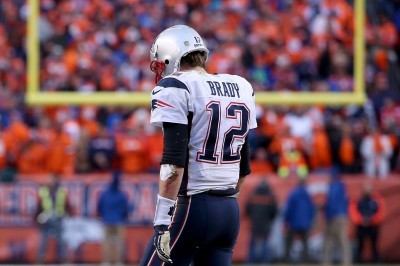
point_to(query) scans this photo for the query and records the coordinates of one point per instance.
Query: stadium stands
(298, 45)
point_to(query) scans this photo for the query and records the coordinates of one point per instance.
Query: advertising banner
(83, 232)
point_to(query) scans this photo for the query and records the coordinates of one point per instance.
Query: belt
(221, 193)
(230, 192)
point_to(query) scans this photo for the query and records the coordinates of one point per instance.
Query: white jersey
(219, 110)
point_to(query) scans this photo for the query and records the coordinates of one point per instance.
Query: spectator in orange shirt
(386, 34)
(272, 121)
(260, 163)
(284, 142)
(32, 159)
(347, 150)
(61, 153)
(18, 132)
(320, 155)
(155, 149)
(367, 213)
(46, 130)
(88, 121)
(133, 151)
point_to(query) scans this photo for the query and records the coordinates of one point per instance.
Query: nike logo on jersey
(155, 92)
(227, 89)
(158, 104)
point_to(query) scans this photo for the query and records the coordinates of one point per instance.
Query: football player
(206, 119)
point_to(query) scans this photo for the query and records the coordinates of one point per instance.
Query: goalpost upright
(35, 96)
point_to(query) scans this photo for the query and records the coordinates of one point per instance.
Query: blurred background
(80, 180)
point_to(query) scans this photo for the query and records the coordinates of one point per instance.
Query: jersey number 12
(209, 153)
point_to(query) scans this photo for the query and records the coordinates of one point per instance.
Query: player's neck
(197, 68)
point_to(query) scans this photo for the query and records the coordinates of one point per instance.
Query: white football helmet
(170, 46)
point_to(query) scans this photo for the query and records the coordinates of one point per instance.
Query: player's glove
(161, 242)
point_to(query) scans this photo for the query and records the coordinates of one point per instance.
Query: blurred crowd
(278, 45)
(304, 213)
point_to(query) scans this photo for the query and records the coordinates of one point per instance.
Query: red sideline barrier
(20, 244)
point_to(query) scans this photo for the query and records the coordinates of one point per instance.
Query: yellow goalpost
(36, 97)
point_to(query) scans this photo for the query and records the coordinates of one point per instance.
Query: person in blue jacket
(336, 216)
(298, 217)
(112, 209)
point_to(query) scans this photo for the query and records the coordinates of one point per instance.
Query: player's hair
(194, 59)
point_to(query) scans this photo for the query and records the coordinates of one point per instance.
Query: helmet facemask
(158, 68)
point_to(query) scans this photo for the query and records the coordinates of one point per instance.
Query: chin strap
(158, 68)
